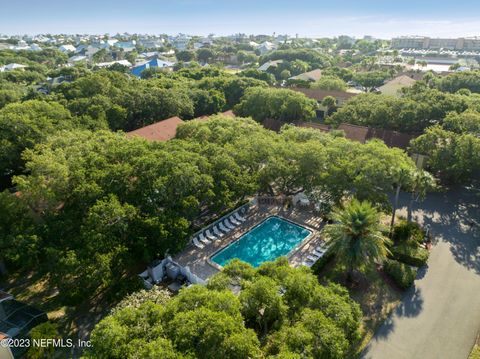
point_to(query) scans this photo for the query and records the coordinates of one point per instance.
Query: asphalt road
(439, 317)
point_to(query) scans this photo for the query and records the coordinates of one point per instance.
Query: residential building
(111, 63)
(77, 58)
(67, 48)
(137, 70)
(159, 131)
(393, 86)
(421, 42)
(265, 47)
(126, 46)
(181, 42)
(310, 76)
(363, 134)
(270, 64)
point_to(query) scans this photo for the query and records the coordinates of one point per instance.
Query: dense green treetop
(278, 104)
(23, 125)
(97, 203)
(280, 311)
(330, 83)
(469, 80)
(312, 57)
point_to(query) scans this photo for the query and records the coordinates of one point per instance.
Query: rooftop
(159, 131)
(313, 75)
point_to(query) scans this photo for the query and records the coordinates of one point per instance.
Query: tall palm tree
(356, 237)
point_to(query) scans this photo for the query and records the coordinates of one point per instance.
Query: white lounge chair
(217, 232)
(210, 235)
(228, 224)
(197, 243)
(203, 239)
(239, 217)
(318, 253)
(223, 228)
(308, 264)
(312, 259)
(234, 221)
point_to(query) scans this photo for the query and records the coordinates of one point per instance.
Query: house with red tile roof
(159, 131)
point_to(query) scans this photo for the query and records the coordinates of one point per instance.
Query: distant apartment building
(428, 43)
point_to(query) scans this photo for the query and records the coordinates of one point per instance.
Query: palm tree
(356, 237)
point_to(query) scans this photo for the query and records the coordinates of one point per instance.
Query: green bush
(411, 254)
(402, 274)
(408, 231)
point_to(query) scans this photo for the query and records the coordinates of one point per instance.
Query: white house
(266, 47)
(127, 46)
(67, 48)
(76, 59)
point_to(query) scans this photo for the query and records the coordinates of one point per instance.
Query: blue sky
(380, 18)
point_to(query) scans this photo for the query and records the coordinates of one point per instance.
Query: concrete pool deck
(198, 260)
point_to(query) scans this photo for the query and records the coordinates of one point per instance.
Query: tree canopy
(279, 104)
(280, 311)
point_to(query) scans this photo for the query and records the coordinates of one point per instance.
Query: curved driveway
(439, 317)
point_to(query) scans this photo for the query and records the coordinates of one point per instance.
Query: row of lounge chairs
(315, 255)
(218, 230)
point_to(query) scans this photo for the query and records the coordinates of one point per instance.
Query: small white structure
(111, 63)
(14, 66)
(167, 267)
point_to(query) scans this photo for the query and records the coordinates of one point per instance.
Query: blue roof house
(137, 70)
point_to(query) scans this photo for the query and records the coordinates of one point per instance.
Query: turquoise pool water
(270, 239)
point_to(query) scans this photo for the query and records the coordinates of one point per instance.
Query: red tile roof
(391, 138)
(159, 131)
(354, 132)
(363, 134)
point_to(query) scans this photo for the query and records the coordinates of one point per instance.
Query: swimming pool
(270, 239)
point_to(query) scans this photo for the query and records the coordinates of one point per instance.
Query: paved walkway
(440, 316)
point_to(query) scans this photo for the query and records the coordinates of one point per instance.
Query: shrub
(410, 254)
(406, 231)
(402, 274)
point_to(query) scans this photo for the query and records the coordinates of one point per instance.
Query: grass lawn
(375, 293)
